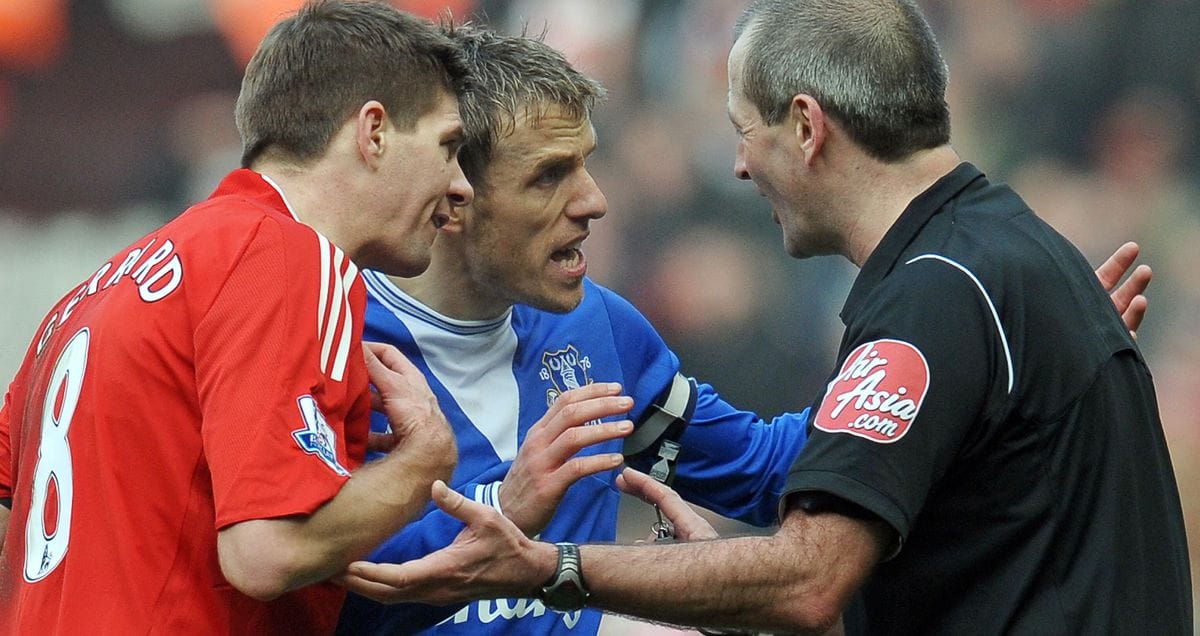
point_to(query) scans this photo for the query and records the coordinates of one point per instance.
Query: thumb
(382, 442)
(638, 484)
(454, 504)
(376, 370)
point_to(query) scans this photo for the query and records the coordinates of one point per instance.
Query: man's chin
(407, 268)
(558, 303)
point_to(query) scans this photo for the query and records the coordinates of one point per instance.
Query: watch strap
(565, 591)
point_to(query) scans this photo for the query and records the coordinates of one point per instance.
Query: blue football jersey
(494, 379)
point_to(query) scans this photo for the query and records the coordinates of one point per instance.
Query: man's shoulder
(229, 215)
(218, 233)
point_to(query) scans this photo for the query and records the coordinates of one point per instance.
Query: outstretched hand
(1129, 297)
(490, 558)
(546, 464)
(689, 526)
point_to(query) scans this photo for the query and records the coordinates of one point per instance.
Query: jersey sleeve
(730, 461)
(735, 463)
(648, 366)
(267, 349)
(907, 395)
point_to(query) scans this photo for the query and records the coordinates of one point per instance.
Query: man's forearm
(798, 580)
(793, 581)
(697, 584)
(379, 499)
(267, 557)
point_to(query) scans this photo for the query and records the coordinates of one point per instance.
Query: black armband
(656, 437)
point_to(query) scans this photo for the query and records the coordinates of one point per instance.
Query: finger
(579, 437)
(1134, 315)
(554, 424)
(581, 467)
(1114, 268)
(375, 348)
(372, 360)
(382, 378)
(568, 399)
(420, 580)
(382, 442)
(380, 592)
(640, 485)
(563, 417)
(1135, 286)
(423, 580)
(369, 572)
(587, 391)
(399, 578)
(688, 525)
(391, 358)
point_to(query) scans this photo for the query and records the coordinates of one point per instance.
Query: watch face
(565, 592)
(565, 597)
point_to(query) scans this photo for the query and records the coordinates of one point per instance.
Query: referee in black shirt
(987, 457)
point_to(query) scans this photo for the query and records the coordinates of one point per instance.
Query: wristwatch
(565, 591)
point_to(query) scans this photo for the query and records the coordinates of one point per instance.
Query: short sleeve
(276, 355)
(916, 371)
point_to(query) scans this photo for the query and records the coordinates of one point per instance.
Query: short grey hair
(873, 65)
(511, 76)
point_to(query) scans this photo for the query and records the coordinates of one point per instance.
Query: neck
(448, 287)
(877, 193)
(321, 203)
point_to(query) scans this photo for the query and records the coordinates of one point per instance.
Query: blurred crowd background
(116, 114)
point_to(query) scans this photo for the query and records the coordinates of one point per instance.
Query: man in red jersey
(178, 451)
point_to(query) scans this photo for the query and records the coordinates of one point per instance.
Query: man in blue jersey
(504, 322)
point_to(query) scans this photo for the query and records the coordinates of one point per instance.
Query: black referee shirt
(992, 408)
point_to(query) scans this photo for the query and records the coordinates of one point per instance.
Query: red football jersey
(209, 374)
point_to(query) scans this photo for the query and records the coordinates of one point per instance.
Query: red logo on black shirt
(878, 392)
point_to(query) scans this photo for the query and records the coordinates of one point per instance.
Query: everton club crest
(565, 369)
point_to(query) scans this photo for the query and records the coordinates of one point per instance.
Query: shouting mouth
(571, 259)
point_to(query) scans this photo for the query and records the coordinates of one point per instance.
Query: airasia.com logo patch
(878, 392)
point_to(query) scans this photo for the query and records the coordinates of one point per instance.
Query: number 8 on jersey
(48, 530)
